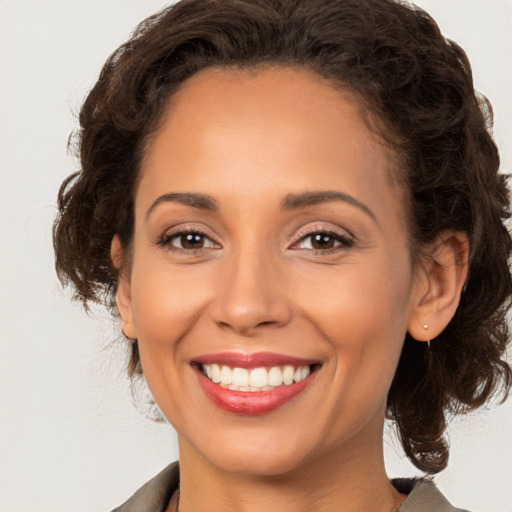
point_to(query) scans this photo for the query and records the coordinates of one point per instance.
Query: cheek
(363, 297)
(166, 304)
(362, 312)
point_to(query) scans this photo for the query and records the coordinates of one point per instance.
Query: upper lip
(259, 359)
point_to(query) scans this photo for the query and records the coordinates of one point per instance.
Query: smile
(257, 379)
(253, 384)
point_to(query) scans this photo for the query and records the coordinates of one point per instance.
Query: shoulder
(423, 496)
(154, 495)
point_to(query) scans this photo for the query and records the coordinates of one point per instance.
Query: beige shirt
(155, 495)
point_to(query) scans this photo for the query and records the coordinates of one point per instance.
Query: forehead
(272, 130)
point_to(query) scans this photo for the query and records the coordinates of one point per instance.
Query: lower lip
(251, 402)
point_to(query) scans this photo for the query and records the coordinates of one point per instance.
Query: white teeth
(275, 376)
(257, 379)
(288, 375)
(215, 373)
(226, 375)
(240, 377)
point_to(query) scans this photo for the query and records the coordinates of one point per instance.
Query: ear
(123, 294)
(439, 282)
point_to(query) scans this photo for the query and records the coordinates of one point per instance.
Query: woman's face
(270, 251)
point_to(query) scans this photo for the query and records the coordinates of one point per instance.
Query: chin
(257, 453)
(259, 465)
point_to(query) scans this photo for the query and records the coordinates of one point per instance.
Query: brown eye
(325, 241)
(322, 241)
(190, 241)
(187, 241)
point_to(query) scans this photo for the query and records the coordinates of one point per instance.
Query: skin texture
(249, 139)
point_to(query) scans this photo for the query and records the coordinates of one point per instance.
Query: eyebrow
(296, 201)
(290, 202)
(199, 201)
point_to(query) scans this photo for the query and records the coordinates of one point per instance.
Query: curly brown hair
(417, 90)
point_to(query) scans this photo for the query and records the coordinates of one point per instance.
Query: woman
(295, 210)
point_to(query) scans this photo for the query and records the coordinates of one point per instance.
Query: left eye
(189, 240)
(320, 241)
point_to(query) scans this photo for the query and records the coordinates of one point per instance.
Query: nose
(251, 295)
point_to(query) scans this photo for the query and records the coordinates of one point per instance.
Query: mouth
(257, 379)
(253, 384)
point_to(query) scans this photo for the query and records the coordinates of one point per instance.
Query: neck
(349, 479)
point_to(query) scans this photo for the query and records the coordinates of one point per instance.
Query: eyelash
(166, 240)
(345, 241)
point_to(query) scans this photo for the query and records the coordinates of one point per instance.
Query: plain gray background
(70, 438)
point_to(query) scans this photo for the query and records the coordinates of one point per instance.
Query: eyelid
(343, 236)
(174, 232)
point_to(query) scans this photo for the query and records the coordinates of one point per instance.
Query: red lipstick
(251, 402)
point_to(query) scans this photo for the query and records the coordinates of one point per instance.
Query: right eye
(187, 241)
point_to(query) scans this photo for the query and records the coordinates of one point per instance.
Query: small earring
(425, 326)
